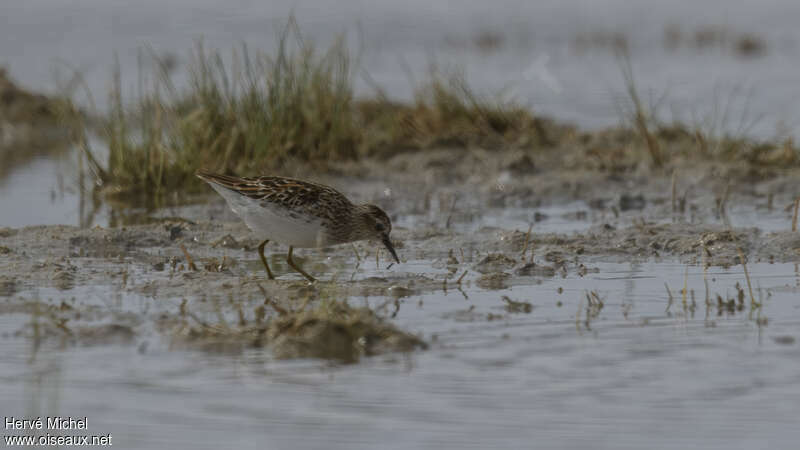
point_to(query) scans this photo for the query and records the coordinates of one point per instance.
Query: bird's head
(373, 224)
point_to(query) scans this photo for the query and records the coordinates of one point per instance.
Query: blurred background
(733, 63)
(557, 56)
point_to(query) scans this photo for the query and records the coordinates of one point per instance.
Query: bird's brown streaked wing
(311, 198)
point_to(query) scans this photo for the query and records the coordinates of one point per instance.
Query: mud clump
(227, 241)
(69, 323)
(399, 291)
(784, 340)
(629, 202)
(64, 279)
(332, 330)
(112, 333)
(784, 245)
(8, 286)
(495, 262)
(494, 280)
(513, 306)
(718, 246)
(536, 270)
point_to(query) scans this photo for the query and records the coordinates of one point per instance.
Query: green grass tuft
(253, 113)
(258, 112)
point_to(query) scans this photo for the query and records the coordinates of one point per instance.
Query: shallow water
(635, 375)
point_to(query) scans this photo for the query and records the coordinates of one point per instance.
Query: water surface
(632, 375)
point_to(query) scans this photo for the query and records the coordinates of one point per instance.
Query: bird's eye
(379, 227)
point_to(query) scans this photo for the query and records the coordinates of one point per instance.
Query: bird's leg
(296, 267)
(264, 260)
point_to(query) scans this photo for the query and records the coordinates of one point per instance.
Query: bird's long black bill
(390, 247)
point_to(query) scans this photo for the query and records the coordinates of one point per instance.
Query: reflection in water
(580, 361)
(43, 385)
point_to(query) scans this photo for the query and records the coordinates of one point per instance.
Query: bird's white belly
(277, 223)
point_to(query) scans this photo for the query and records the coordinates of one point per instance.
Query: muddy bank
(218, 299)
(29, 125)
(150, 259)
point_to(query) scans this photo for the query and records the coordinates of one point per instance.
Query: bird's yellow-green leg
(264, 260)
(297, 268)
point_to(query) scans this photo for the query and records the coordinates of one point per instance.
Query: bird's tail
(228, 181)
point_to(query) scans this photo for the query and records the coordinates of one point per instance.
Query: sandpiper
(300, 214)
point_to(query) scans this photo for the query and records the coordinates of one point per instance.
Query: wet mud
(199, 265)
